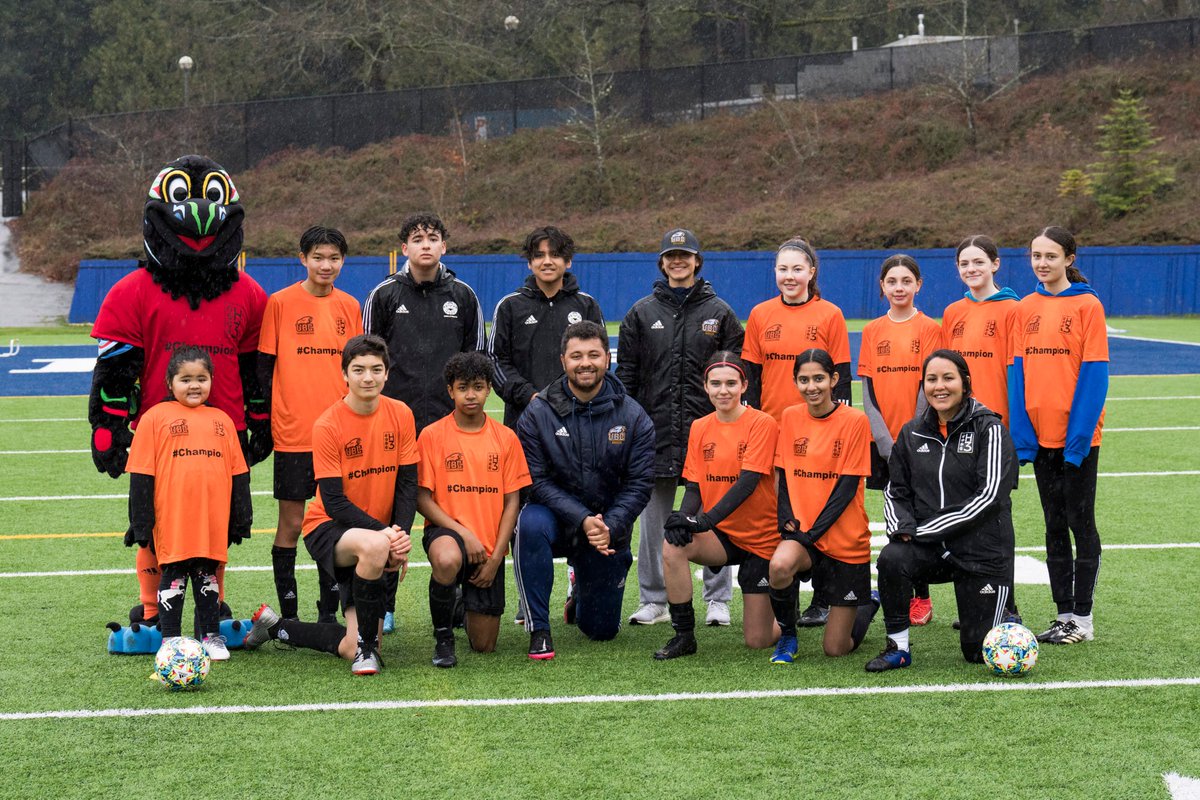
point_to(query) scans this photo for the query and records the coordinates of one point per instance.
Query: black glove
(680, 537)
(139, 535)
(258, 432)
(790, 532)
(110, 445)
(238, 532)
(693, 523)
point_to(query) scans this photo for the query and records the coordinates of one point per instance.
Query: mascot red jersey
(187, 291)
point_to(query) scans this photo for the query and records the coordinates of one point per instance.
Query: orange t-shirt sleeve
(761, 443)
(142, 452)
(858, 447)
(408, 438)
(268, 338)
(516, 469)
(839, 338)
(750, 344)
(326, 450)
(866, 351)
(1095, 333)
(426, 458)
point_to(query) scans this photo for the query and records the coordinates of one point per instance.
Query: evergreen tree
(1128, 173)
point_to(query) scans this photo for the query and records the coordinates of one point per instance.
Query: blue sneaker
(389, 622)
(892, 657)
(786, 650)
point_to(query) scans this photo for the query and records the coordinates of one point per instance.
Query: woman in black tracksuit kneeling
(947, 511)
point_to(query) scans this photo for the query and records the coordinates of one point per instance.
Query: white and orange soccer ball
(181, 663)
(1010, 650)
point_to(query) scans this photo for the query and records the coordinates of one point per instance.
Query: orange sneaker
(920, 611)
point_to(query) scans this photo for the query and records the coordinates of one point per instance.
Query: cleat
(389, 622)
(260, 627)
(366, 662)
(1074, 633)
(214, 645)
(786, 650)
(519, 617)
(650, 614)
(920, 611)
(569, 606)
(717, 614)
(1013, 617)
(1051, 634)
(892, 657)
(443, 653)
(680, 645)
(814, 616)
(541, 647)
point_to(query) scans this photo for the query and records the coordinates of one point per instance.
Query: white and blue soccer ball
(181, 663)
(1010, 649)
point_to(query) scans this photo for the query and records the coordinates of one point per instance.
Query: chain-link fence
(239, 135)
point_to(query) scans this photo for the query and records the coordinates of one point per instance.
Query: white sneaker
(718, 613)
(650, 614)
(214, 645)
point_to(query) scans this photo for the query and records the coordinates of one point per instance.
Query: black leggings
(172, 587)
(1069, 505)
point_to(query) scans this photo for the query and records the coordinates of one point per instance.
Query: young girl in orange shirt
(189, 496)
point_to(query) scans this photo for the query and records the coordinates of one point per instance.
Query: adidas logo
(531, 320)
(657, 326)
(851, 596)
(290, 596)
(923, 448)
(401, 309)
(987, 589)
(763, 584)
(562, 432)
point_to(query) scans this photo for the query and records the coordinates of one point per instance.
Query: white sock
(1082, 621)
(901, 639)
(1065, 617)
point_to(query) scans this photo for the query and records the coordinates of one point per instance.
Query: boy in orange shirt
(364, 459)
(300, 348)
(469, 479)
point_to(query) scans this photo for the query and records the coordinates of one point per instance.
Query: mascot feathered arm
(258, 410)
(112, 403)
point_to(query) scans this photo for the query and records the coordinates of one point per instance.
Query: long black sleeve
(141, 509)
(690, 503)
(241, 509)
(404, 504)
(843, 493)
(784, 503)
(842, 392)
(341, 510)
(753, 395)
(265, 369)
(746, 483)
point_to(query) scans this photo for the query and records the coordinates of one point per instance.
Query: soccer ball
(181, 663)
(1010, 649)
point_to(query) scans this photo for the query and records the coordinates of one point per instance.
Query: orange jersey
(469, 472)
(982, 333)
(891, 357)
(813, 454)
(1054, 335)
(365, 451)
(776, 333)
(717, 453)
(305, 334)
(193, 454)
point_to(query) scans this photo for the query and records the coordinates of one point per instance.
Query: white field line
(1148, 339)
(266, 493)
(598, 699)
(1158, 397)
(39, 452)
(876, 543)
(50, 419)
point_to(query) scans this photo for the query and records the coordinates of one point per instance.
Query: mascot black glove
(111, 404)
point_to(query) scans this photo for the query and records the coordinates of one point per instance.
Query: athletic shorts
(753, 570)
(837, 583)
(490, 601)
(878, 479)
(321, 544)
(294, 478)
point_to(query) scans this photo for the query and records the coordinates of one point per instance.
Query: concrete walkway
(27, 300)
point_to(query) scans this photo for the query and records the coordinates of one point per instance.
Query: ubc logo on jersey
(709, 327)
(454, 462)
(353, 448)
(837, 447)
(773, 333)
(1064, 326)
(179, 427)
(450, 308)
(616, 434)
(741, 450)
(305, 325)
(389, 440)
(340, 325)
(811, 333)
(218, 428)
(884, 348)
(989, 329)
(233, 322)
(574, 317)
(1034, 323)
(914, 345)
(959, 330)
(966, 442)
(709, 451)
(493, 462)
(800, 446)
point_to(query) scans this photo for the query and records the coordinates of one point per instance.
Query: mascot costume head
(187, 291)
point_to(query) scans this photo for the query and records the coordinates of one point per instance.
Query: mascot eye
(216, 188)
(177, 186)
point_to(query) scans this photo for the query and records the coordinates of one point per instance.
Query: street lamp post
(185, 66)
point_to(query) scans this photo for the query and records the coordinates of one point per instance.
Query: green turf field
(724, 723)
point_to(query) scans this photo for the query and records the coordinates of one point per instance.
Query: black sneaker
(892, 657)
(541, 647)
(443, 653)
(814, 616)
(680, 645)
(1053, 633)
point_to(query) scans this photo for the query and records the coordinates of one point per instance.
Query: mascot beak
(197, 244)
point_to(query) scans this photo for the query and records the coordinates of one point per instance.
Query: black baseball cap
(680, 239)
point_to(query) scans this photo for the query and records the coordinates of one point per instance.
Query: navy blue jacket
(589, 458)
